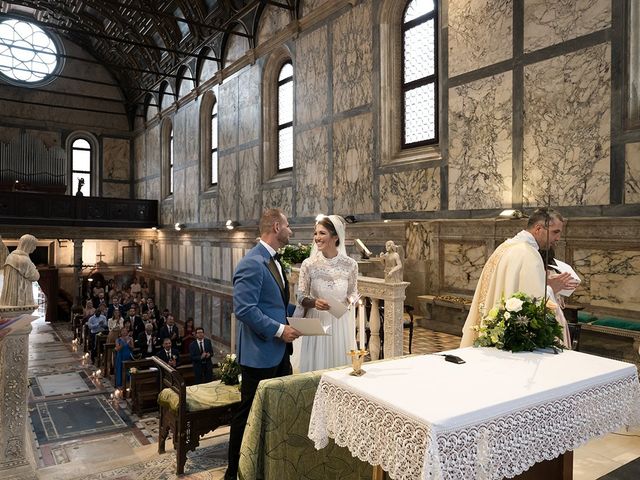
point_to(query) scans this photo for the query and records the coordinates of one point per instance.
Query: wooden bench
(143, 386)
(186, 422)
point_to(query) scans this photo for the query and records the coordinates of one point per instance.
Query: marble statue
(392, 263)
(19, 274)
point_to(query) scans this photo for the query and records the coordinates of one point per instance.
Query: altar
(492, 417)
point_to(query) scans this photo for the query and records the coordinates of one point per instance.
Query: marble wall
(312, 172)
(632, 173)
(480, 34)
(311, 91)
(480, 143)
(549, 23)
(413, 190)
(567, 129)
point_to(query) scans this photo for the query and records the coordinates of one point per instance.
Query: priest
(516, 266)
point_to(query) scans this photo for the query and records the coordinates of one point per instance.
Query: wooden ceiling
(143, 42)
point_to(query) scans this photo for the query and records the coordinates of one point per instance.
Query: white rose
(507, 315)
(233, 357)
(514, 304)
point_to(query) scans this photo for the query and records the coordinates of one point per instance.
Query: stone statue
(19, 274)
(392, 263)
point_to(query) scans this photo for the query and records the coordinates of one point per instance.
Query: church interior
(140, 141)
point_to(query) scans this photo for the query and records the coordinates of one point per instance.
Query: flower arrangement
(520, 323)
(230, 370)
(292, 254)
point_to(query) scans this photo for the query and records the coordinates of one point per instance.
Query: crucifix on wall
(100, 255)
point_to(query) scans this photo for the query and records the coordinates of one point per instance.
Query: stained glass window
(419, 74)
(214, 144)
(81, 167)
(285, 117)
(27, 53)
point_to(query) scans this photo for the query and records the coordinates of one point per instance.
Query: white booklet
(337, 307)
(309, 326)
(566, 268)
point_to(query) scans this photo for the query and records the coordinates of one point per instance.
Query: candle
(361, 314)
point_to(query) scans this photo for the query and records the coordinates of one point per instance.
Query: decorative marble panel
(236, 47)
(632, 173)
(197, 260)
(141, 190)
(190, 141)
(309, 5)
(278, 198)
(139, 160)
(152, 156)
(179, 201)
(186, 194)
(225, 264)
(311, 172)
(166, 214)
(462, 264)
(352, 168)
(567, 129)
(228, 114)
(115, 190)
(227, 187)
(272, 20)
(412, 191)
(115, 154)
(480, 144)
(549, 23)
(249, 105)
(609, 278)
(209, 210)
(249, 192)
(311, 76)
(419, 237)
(480, 34)
(352, 59)
(216, 263)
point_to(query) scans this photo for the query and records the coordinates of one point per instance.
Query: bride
(328, 274)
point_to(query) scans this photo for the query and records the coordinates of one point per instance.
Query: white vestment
(515, 266)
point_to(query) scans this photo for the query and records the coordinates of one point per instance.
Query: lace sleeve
(304, 283)
(352, 288)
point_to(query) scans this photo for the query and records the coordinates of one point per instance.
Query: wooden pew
(188, 426)
(142, 388)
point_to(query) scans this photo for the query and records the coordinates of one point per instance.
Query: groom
(261, 305)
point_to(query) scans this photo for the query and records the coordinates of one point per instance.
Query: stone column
(14, 354)
(77, 271)
(394, 319)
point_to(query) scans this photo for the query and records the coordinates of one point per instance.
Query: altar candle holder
(357, 357)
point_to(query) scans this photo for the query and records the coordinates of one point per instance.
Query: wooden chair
(187, 425)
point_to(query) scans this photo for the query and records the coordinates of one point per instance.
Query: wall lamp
(350, 219)
(179, 226)
(231, 224)
(511, 213)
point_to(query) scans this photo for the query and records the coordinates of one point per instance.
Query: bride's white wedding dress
(321, 277)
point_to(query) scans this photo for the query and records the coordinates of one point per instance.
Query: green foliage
(230, 370)
(520, 323)
(292, 254)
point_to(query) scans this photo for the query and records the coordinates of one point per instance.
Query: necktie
(201, 347)
(277, 257)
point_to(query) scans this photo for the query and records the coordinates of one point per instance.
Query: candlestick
(361, 321)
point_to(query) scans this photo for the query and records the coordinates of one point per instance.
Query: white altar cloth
(490, 418)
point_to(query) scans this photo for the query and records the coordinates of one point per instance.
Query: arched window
(167, 153)
(419, 74)
(170, 152)
(214, 144)
(285, 118)
(81, 159)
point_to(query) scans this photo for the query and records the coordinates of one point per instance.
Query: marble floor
(89, 436)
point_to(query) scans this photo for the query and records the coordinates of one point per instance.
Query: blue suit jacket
(260, 310)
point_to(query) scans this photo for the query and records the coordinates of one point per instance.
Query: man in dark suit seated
(168, 354)
(147, 342)
(201, 352)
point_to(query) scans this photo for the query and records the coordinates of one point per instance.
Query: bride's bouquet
(520, 323)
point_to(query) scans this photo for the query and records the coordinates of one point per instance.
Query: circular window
(27, 53)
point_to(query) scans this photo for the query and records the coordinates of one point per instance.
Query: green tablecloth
(275, 444)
